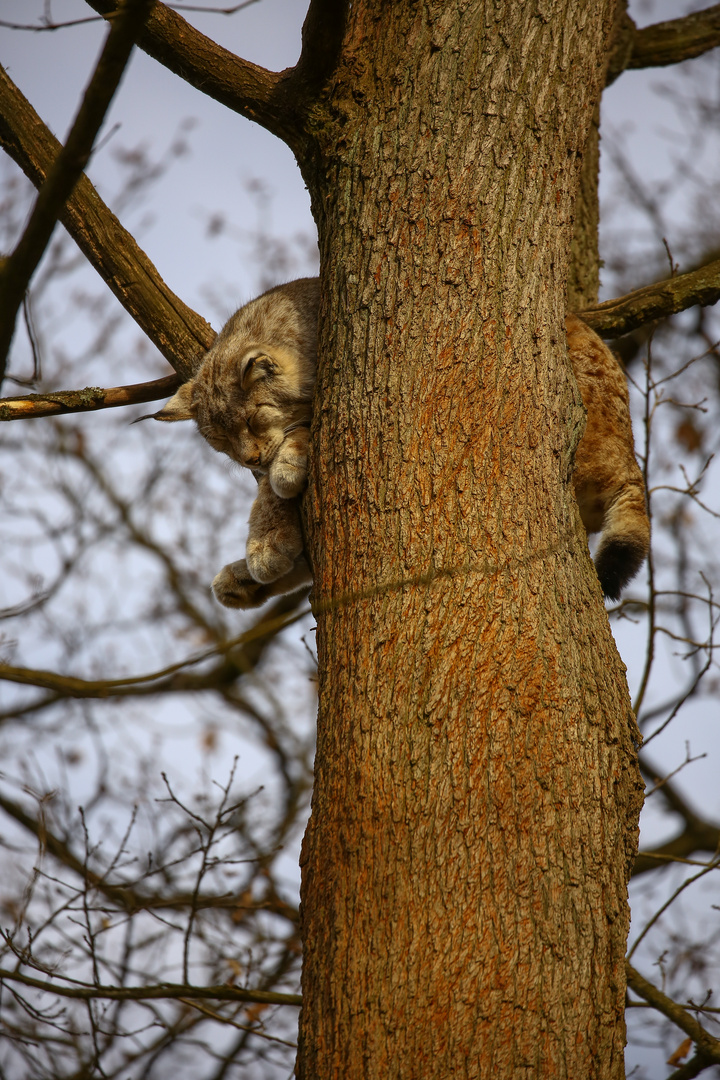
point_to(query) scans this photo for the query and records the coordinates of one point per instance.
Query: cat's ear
(179, 407)
(255, 366)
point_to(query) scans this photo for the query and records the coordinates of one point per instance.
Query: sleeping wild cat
(252, 400)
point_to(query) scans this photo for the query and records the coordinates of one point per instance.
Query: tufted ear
(254, 366)
(180, 405)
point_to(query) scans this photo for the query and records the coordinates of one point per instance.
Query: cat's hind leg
(235, 587)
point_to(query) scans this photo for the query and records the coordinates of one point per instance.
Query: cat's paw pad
(266, 561)
(235, 587)
(288, 476)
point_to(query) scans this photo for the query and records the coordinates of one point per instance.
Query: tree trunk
(476, 796)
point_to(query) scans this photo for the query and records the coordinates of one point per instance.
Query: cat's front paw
(235, 587)
(288, 475)
(268, 558)
(288, 471)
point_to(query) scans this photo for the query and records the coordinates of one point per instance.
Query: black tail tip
(617, 562)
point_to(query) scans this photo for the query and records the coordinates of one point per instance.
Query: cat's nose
(251, 460)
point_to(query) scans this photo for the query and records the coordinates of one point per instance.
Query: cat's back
(283, 317)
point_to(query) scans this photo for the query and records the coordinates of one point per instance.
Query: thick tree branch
(18, 268)
(698, 1063)
(278, 101)
(676, 40)
(165, 991)
(246, 88)
(664, 43)
(68, 686)
(613, 318)
(180, 334)
(708, 1047)
(90, 399)
(621, 43)
(322, 37)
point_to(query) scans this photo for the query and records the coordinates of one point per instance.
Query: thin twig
(663, 908)
(164, 991)
(240, 1027)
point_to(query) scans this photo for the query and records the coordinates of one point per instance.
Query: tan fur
(235, 587)
(252, 400)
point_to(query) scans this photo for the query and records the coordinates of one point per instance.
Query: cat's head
(245, 400)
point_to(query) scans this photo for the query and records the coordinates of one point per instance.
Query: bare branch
(128, 897)
(277, 101)
(237, 662)
(697, 1064)
(90, 399)
(704, 837)
(240, 1027)
(676, 40)
(16, 271)
(663, 43)
(667, 789)
(706, 869)
(180, 334)
(613, 318)
(45, 24)
(708, 1047)
(165, 991)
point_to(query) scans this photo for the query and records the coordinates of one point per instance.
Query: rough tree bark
(476, 793)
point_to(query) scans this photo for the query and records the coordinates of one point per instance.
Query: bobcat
(252, 400)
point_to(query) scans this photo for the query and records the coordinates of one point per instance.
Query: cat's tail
(624, 541)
